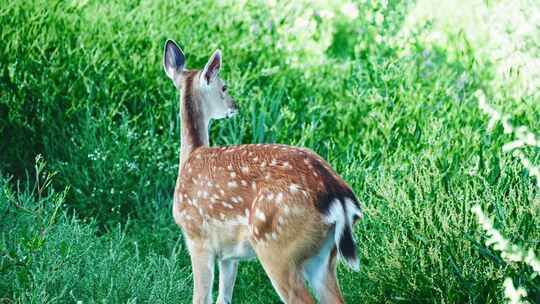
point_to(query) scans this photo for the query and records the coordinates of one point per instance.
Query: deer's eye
(224, 89)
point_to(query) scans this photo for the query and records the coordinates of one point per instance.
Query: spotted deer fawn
(282, 204)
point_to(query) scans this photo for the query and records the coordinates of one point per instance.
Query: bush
(48, 256)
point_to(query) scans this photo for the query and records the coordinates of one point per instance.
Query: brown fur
(213, 179)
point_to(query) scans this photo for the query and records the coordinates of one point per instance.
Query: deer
(281, 204)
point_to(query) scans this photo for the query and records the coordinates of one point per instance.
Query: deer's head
(207, 88)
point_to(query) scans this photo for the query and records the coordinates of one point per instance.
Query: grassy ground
(81, 83)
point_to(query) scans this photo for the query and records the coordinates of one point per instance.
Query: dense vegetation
(82, 85)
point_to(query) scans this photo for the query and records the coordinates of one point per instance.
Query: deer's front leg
(227, 276)
(202, 263)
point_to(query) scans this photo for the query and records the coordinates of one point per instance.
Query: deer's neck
(194, 121)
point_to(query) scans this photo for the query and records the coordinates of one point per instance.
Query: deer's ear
(212, 68)
(173, 59)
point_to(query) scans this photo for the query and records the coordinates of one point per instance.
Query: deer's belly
(239, 251)
(230, 242)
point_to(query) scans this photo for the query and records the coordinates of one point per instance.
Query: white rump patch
(341, 216)
(336, 215)
(352, 210)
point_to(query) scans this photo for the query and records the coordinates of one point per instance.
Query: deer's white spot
(294, 188)
(270, 196)
(245, 169)
(243, 182)
(221, 191)
(263, 164)
(279, 197)
(260, 215)
(253, 185)
(232, 184)
(234, 199)
(233, 174)
(274, 162)
(227, 205)
(229, 167)
(256, 159)
(286, 165)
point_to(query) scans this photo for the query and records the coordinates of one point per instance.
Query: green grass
(81, 83)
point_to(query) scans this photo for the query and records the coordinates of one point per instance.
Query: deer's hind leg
(283, 249)
(320, 271)
(202, 263)
(285, 275)
(227, 276)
